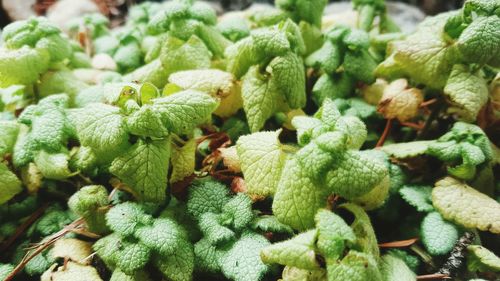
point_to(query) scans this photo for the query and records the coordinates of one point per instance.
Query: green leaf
(241, 56)
(355, 266)
(261, 98)
(298, 198)
(360, 65)
(5, 269)
(267, 223)
(183, 111)
(177, 55)
(288, 74)
(242, 261)
(395, 269)
(423, 56)
(356, 174)
(333, 87)
(406, 149)
(206, 256)
(132, 257)
(53, 166)
(10, 130)
(333, 233)
(206, 196)
(298, 252)
(418, 196)
(366, 241)
(262, 159)
(22, 66)
(307, 10)
(49, 129)
(479, 42)
(146, 122)
(212, 228)
(183, 160)
(180, 265)
(144, 168)
(126, 218)
(465, 206)
(101, 127)
(164, 236)
(481, 259)
(291, 273)
(239, 210)
(328, 58)
(467, 91)
(10, 185)
(438, 235)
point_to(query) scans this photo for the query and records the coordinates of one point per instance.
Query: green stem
(366, 14)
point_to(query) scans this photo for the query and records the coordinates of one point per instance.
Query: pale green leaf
(460, 203)
(262, 159)
(298, 252)
(438, 235)
(144, 168)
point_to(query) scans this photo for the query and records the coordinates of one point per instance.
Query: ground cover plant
(250, 146)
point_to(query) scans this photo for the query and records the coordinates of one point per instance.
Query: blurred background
(116, 9)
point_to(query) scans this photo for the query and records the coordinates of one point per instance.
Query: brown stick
(433, 276)
(397, 244)
(20, 230)
(43, 246)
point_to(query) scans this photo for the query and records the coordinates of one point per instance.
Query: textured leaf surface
(463, 205)
(183, 160)
(262, 159)
(395, 269)
(183, 111)
(144, 167)
(242, 262)
(438, 235)
(261, 98)
(418, 196)
(355, 266)
(298, 252)
(298, 197)
(10, 185)
(482, 259)
(180, 265)
(468, 92)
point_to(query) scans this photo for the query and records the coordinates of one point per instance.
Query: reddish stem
(433, 276)
(20, 230)
(387, 129)
(396, 244)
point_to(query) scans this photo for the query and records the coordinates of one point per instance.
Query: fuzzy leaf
(101, 127)
(438, 235)
(466, 206)
(144, 168)
(333, 232)
(298, 198)
(180, 265)
(207, 197)
(394, 269)
(183, 111)
(262, 159)
(299, 252)
(481, 259)
(467, 91)
(261, 98)
(183, 160)
(242, 261)
(418, 196)
(10, 185)
(355, 266)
